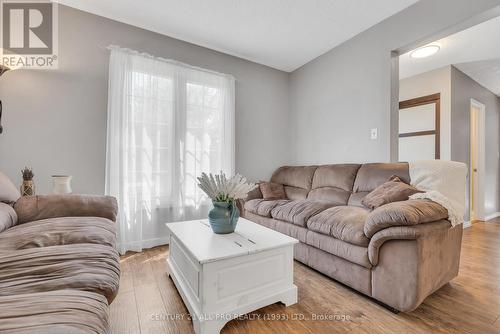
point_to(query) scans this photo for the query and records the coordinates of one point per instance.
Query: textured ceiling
(284, 34)
(474, 51)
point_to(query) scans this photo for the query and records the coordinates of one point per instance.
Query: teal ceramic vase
(223, 217)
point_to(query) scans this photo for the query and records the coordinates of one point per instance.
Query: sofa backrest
(297, 180)
(344, 184)
(334, 183)
(372, 175)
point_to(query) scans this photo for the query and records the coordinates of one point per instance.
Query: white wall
(339, 96)
(55, 121)
(436, 81)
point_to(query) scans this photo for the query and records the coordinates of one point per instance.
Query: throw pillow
(394, 190)
(272, 191)
(8, 191)
(8, 217)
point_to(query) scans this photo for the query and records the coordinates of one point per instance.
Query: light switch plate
(374, 133)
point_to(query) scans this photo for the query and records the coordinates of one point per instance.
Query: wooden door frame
(420, 101)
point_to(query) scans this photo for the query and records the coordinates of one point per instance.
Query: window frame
(420, 101)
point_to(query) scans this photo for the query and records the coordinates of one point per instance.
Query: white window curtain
(167, 123)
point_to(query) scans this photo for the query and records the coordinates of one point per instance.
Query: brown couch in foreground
(59, 269)
(398, 253)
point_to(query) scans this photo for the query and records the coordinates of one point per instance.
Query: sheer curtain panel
(167, 123)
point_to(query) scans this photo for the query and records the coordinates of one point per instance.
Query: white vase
(62, 184)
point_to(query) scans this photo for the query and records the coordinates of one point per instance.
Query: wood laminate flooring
(148, 301)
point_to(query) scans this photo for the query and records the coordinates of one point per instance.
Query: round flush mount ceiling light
(425, 51)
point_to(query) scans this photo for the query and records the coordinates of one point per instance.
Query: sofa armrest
(31, 208)
(404, 213)
(411, 262)
(404, 233)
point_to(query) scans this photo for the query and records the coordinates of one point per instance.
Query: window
(167, 123)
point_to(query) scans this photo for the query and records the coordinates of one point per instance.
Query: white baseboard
(468, 224)
(493, 215)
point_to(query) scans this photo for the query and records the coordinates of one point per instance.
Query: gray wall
(338, 97)
(463, 88)
(55, 121)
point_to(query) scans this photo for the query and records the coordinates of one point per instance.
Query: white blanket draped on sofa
(438, 178)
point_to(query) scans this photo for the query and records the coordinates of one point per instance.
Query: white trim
(481, 170)
(492, 216)
(468, 224)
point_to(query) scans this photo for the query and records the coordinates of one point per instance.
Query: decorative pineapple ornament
(28, 187)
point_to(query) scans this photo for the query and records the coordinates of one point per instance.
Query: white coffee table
(221, 277)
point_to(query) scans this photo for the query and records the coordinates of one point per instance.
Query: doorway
(419, 128)
(477, 160)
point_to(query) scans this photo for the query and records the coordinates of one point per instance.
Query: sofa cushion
(394, 190)
(294, 231)
(372, 175)
(342, 222)
(331, 194)
(60, 311)
(84, 267)
(405, 213)
(356, 199)
(339, 176)
(262, 207)
(8, 191)
(298, 212)
(272, 191)
(333, 183)
(297, 180)
(8, 217)
(294, 193)
(294, 176)
(352, 253)
(59, 231)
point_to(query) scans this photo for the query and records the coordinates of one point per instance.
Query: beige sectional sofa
(398, 254)
(59, 269)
